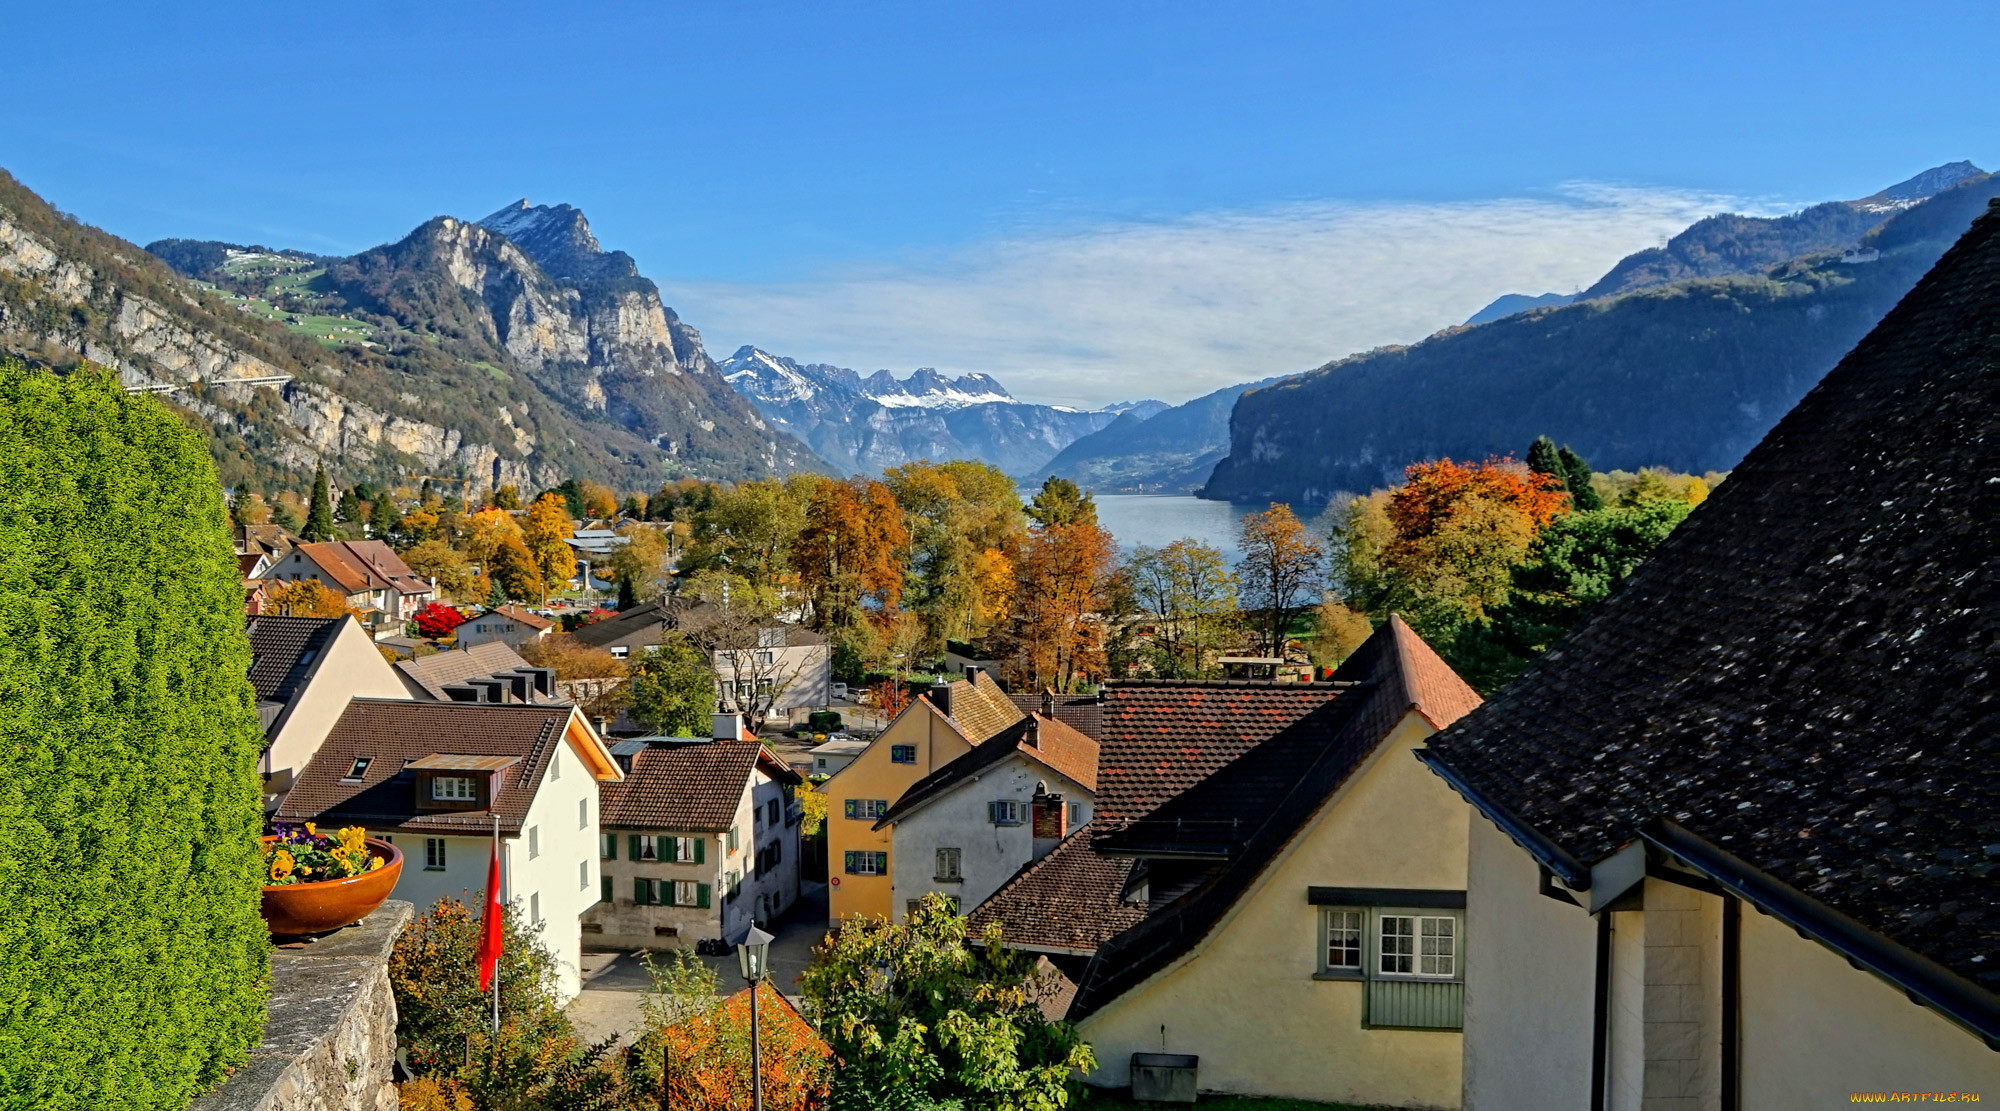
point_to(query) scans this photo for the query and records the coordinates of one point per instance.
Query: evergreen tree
(382, 516)
(283, 517)
(1544, 459)
(349, 512)
(425, 496)
(1060, 502)
(571, 492)
(319, 514)
(1576, 475)
(496, 597)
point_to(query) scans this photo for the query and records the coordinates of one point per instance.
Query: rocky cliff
(452, 353)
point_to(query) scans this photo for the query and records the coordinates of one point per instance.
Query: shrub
(708, 1041)
(132, 957)
(435, 976)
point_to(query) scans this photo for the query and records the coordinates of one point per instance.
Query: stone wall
(330, 1041)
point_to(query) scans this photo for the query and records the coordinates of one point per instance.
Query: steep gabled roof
(1244, 814)
(283, 650)
(1081, 712)
(1069, 901)
(979, 707)
(694, 786)
(359, 565)
(1802, 676)
(512, 612)
(1036, 739)
(391, 733)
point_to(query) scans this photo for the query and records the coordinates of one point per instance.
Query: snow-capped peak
(767, 377)
(514, 218)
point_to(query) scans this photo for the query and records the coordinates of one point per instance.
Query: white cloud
(1175, 309)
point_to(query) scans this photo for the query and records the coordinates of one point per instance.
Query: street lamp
(753, 959)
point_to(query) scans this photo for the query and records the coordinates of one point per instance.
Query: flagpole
(496, 964)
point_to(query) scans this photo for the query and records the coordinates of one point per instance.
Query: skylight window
(359, 769)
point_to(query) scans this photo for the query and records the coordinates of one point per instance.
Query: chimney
(1032, 737)
(1048, 703)
(972, 674)
(940, 696)
(728, 727)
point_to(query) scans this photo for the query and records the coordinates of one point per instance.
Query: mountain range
(508, 350)
(867, 424)
(1665, 369)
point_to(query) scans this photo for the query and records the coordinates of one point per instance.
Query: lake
(1157, 520)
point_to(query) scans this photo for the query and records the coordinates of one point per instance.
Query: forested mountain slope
(450, 353)
(1170, 451)
(1687, 375)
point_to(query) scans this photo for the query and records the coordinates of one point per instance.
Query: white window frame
(1353, 926)
(534, 841)
(453, 788)
(535, 908)
(583, 875)
(1006, 812)
(1446, 941)
(583, 812)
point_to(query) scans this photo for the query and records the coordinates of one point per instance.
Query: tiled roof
(1056, 746)
(515, 613)
(1083, 713)
(442, 669)
(390, 732)
(359, 565)
(694, 786)
(979, 706)
(282, 651)
(1803, 674)
(1068, 901)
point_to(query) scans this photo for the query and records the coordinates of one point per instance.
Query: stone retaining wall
(330, 1041)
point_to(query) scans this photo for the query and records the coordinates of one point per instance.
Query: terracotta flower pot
(295, 909)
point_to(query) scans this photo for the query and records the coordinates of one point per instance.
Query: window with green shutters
(867, 864)
(607, 846)
(604, 889)
(663, 847)
(865, 809)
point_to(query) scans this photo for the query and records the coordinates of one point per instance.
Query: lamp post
(753, 956)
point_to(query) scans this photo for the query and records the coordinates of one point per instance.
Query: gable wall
(349, 667)
(873, 776)
(989, 854)
(1246, 1001)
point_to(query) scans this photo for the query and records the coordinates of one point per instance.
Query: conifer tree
(382, 516)
(1576, 475)
(349, 512)
(1544, 459)
(319, 514)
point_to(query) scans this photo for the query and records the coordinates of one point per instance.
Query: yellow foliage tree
(548, 526)
(308, 598)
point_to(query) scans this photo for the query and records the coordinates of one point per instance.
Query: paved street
(613, 982)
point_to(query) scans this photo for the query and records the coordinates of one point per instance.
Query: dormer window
(357, 770)
(452, 788)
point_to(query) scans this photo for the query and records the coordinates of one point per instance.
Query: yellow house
(931, 732)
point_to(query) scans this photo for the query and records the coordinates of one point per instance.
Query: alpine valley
(508, 350)
(869, 424)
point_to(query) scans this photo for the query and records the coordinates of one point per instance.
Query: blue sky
(1090, 201)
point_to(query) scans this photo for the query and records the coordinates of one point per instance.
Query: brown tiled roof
(525, 617)
(390, 732)
(1068, 901)
(283, 649)
(442, 669)
(359, 565)
(694, 786)
(1056, 746)
(1802, 676)
(980, 707)
(1240, 817)
(1081, 712)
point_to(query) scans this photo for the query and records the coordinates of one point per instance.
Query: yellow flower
(305, 870)
(312, 830)
(281, 865)
(374, 864)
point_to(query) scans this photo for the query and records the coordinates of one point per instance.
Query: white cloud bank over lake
(1173, 309)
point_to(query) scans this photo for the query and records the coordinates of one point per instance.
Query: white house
(970, 826)
(432, 776)
(510, 625)
(1737, 832)
(835, 753)
(699, 838)
(304, 670)
(367, 573)
(774, 669)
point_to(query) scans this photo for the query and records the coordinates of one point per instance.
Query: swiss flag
(489, 934)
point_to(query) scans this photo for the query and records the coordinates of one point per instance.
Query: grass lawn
(1094, 1100)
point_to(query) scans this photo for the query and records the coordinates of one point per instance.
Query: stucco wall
(1245, 1000)
(873, 776)
(351, 667)
(778, 887)
(627, 925)
(1815, 1029)
(989, 854)
(491, 627)
(564, 874)
(1530, 970)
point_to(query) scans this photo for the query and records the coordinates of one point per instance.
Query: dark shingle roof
(1083, 713)
(1068, 901)
(392, 732)
(283, 650)
(442, 669)
(689, 786)
(1803, 674)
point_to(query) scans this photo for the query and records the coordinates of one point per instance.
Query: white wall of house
(348, 667)
(767, 896)
(989, 854)
(463, 876)
(510, 631)
(1530, 974)
(805, 671)
(1815, 1029)
(1250, 999)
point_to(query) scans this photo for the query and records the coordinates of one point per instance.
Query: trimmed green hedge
(132, 958)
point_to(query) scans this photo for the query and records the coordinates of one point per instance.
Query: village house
(490, 672)
(933, 730)
(1737, 833)
(304, 670)
(968, 827)
(699, 840)
(510, 625)
(431, 777)
(1270, 885)
(368, 574)
(775, 668)
(835, 753)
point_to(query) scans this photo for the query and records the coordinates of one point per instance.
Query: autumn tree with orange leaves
(702, 1044)
(848, 557)
(1063, 579)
